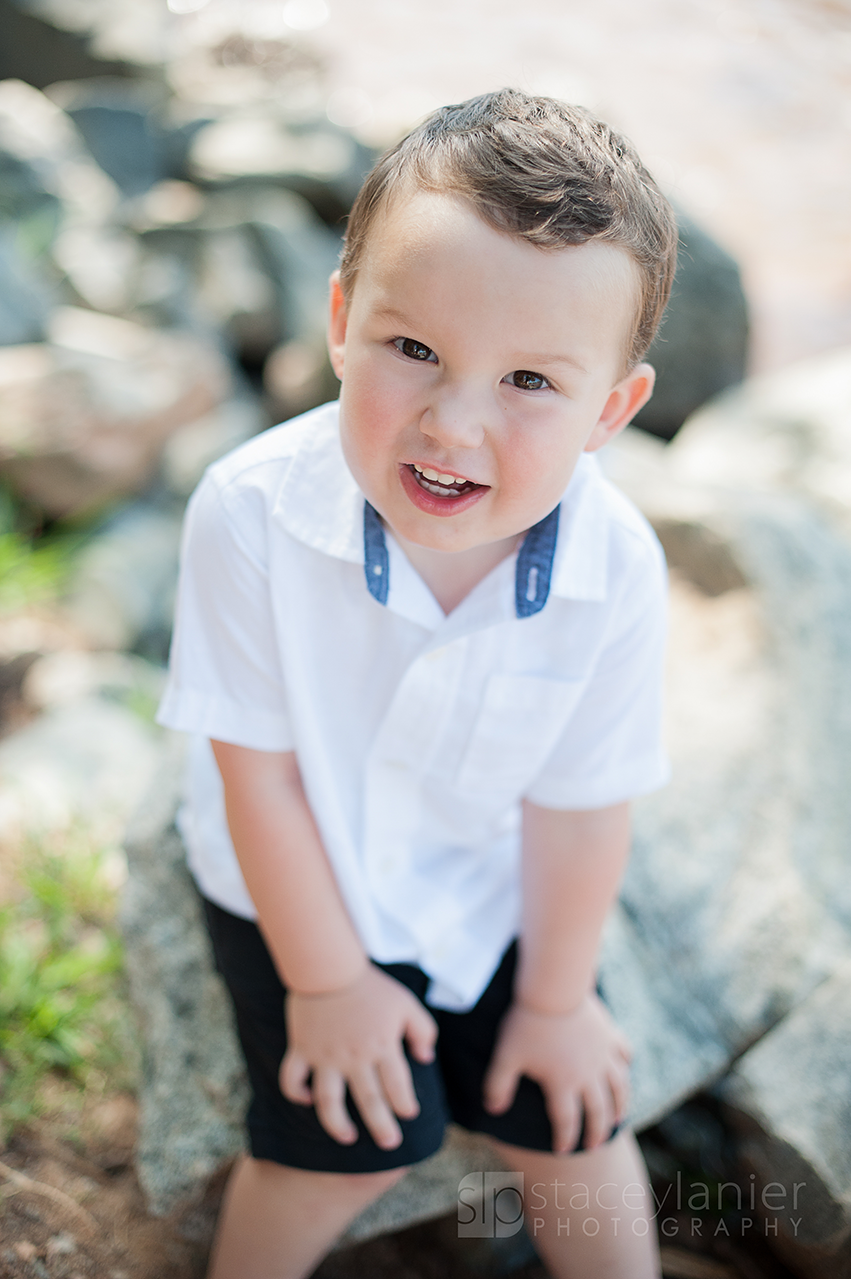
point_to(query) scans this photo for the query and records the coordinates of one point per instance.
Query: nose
(455, 417)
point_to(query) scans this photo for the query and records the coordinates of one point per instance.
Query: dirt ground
(70, 1204)
(71, 1208)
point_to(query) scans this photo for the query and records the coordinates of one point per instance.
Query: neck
(451, 576)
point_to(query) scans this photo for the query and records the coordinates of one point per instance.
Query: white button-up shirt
(417, 734)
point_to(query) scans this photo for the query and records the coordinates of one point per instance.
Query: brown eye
(413, 349)
(525, 380)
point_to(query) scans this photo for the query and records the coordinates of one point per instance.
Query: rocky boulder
(92, 752)
(83, 419)
(782, 443)
(193, 1091)
(254, 260)
(702, 345)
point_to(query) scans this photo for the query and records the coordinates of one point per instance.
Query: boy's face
(475, 370)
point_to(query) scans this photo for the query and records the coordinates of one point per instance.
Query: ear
(337, 321)
(624, 401)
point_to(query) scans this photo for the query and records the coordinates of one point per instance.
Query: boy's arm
(573, 863)
(286, 871)
(346, 1019)
(557, 1031)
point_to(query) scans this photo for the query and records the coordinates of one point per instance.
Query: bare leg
(278, 1222)
(589, 1215)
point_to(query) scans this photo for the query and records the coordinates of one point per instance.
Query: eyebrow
(390, 313)
(545, 358)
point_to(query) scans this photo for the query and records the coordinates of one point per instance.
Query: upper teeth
(436, 477)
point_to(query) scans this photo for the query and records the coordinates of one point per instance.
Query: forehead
(436, 248)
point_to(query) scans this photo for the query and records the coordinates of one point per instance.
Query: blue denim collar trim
(376, 561)
(535, 566)
(531, 580)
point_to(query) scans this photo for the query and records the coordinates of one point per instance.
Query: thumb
(500, 1085)
(293, 1078)
(420, 1032)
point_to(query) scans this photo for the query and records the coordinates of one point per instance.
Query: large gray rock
(192, 1093)
(26, 293)
(124, 124)
(83, 419)
(702, 345)
(121, 592)
(54, 201)
(253, 260)
(786, 432)
(313, 157)
(750, 897)
(86, 761)
(30, 215)
(39, 54)
(789, 1099)
(734, 895)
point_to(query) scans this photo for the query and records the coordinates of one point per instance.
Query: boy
(424, 637)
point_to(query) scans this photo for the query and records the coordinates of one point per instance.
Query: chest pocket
(520, 721)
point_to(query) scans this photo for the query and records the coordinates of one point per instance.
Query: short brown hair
(539, 169)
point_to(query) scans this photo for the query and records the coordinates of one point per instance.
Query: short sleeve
(225, 680)
(612, 747)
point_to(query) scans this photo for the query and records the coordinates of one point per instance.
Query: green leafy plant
(61, 1006)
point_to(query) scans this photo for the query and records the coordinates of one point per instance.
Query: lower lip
(433, 505)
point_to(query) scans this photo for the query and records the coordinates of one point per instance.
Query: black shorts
(449, 1088)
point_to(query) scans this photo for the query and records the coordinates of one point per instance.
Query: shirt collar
(531, 577)
(319, 502)
(564, 554)
(581, 563)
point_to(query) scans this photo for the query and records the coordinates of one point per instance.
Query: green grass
(30, 574)
(62, 1005)
(34, 567)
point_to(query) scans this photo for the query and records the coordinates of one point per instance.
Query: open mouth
(440, 483)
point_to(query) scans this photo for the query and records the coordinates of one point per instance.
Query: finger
(619, 1084)
(293, 1078)
(329, 1098)
(599, 1117)
(421, 1033)
(625, 1048)
(395, 1078)
(500, 1086)
(565, 1121)
(373, 1109)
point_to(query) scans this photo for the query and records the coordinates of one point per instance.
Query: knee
(377, 1182)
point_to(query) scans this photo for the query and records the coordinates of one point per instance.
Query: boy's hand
(353, 1037)
(581, 1061)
